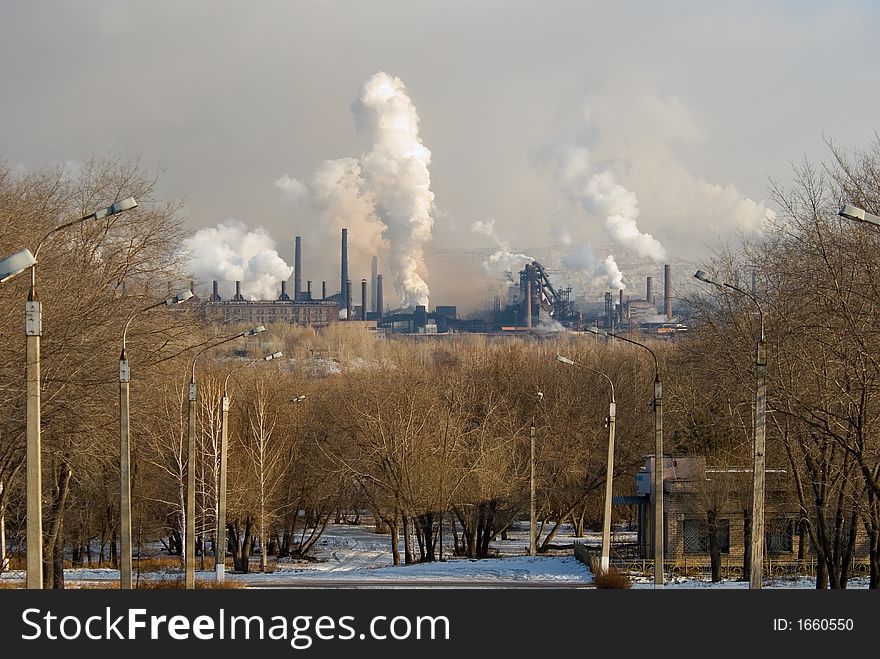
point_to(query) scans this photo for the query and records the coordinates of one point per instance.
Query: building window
(779, 535)
(696, 536)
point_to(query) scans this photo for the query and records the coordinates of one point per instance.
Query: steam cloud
(603, 273)
(599, 193)
(383, 197)
(231, 252)
(503, 261)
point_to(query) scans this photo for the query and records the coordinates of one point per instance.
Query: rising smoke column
(384, 196)
(597, 191)
(502, 261)
(604, 273)
(396, 172)
(231, 252)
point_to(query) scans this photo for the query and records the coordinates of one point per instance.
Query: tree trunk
(53, 536)
(747, 544)
(714, 548)
(407, 542)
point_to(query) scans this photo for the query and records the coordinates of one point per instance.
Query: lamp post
(125, 445)
(756, 562)
(189, 549)
(220, 537)
(533, 517)
(605, 560)
(10, 267)
(659, 547)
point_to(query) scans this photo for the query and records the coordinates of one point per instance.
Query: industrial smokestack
(363, 299)
(649, 293)
(297, 269)
(323, 290)
(667, 290)
(215, 295)
(620, 308)
(345, 282)
(284, 295)
(379, 309)
(374, 272)
(529, 303)
(348, 299)
(309, 289)
(238, 296)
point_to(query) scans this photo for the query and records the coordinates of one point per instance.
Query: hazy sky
(691, 105)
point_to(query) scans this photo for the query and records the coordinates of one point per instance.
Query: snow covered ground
(357, 556)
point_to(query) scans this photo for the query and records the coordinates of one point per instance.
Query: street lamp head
(179, 298)
(564, 360)
(702, 276)
(16, 264)
(851, 212)
(118, 207)
(274, 355)
(256, 330)
(593, 329)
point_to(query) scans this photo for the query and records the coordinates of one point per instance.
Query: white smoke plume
(383, 197)
(502, 262)
(604, 273)
(599, 193)
(231, 252)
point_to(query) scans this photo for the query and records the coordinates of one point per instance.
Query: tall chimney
(620, 308)
(297, 269)
(284, 295)
(348, 299)
(648, 290)
(667, 290)
(343, 286)
(528, 303)
(238, 296)
(374, 271)
(215, 295)
(363, 299)
(323, 290)
(379, 309)
(309, 289)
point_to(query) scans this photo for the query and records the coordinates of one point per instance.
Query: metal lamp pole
(10, 267)
(605, 560)
(220, 537)
(659, 546)
(125, 446)
(756, 563)
(189, 548)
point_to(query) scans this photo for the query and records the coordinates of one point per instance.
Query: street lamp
(9, 268)
(220, 538)
(659, 553)
(609, 475)
(851, 212)
(189, 550)
(756, 563)
(125, 445)
(533, 517)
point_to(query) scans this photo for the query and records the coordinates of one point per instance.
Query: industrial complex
(532, 305)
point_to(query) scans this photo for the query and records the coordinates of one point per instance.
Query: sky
(684, 110)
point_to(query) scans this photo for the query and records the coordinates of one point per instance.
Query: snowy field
(356, 556)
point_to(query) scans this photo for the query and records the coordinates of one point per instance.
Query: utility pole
(533, 522)
(605, 562)
(756, 573)
(658, 483)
